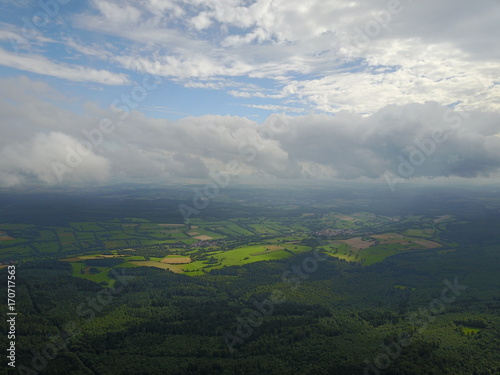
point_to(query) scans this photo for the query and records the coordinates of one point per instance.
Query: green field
(470, 331)
(426, 233)
(101, 277)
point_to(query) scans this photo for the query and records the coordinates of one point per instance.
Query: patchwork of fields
(202, 246)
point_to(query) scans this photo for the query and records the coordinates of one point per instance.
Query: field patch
(341, 250)
(442, 218)
(376, 254)
(66, 237)
(115, 244)
(6, 238)
(87, 226)
(377, 247)
(346, 218)
(428, 244)
(403, 287)
(242, 255)
(420, 232)
(82, 271)
(408, 242)
(269, 249)
(203, 237)
(91, 257)
(358, 243)
(470, 331)
(47, 247)
(387, 236)
(262, 229)
(170, 260)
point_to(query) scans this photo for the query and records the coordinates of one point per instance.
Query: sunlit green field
(245, 255)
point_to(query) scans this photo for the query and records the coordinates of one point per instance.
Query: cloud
(38, 160)
(328, 56)
(276, 108)
(41, 65)
(354, 146)
(432, 139)
(20, 3)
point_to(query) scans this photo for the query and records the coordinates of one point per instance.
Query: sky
(104, 91)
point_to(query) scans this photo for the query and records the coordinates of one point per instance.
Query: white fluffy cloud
(50, 158)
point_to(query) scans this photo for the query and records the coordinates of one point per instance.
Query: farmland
(202, 245)
(236, 231)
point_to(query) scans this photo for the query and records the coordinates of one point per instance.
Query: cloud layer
(42, 143)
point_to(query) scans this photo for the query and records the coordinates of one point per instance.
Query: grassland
(81, 271)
